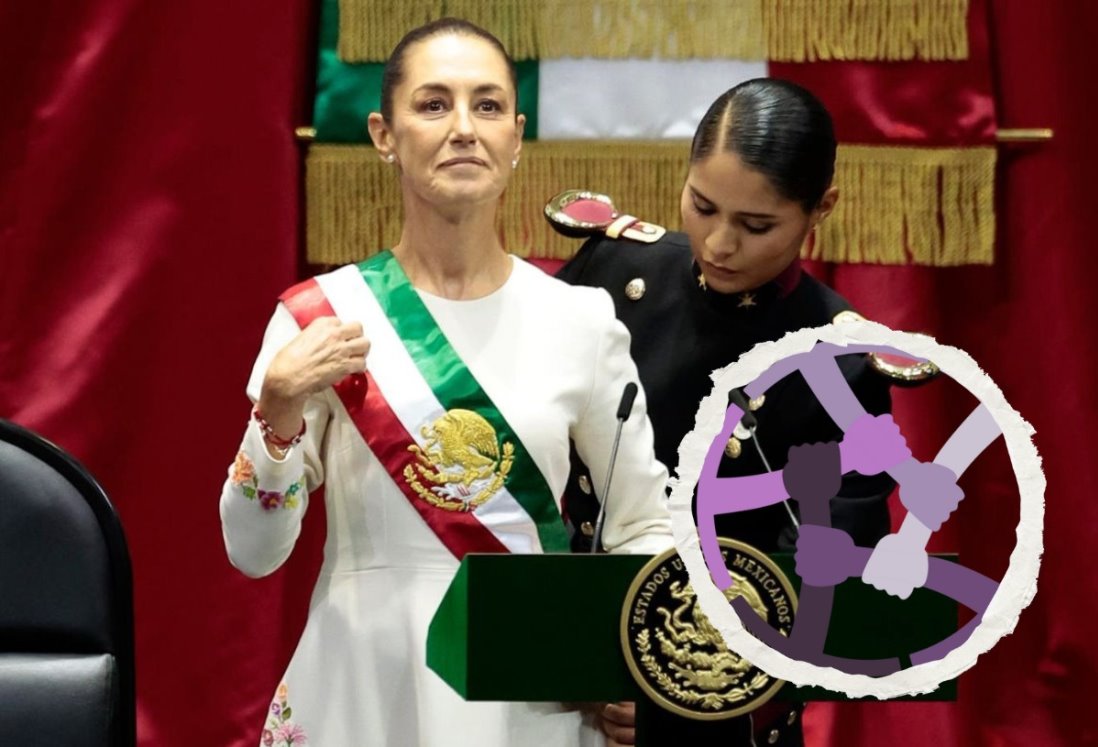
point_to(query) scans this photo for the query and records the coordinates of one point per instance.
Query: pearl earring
(514, 164)
(390, 158)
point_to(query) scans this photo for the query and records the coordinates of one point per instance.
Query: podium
(547, 628)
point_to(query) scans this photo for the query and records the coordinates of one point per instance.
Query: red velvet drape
(149, 217)
(1024, 320)
(149, 193)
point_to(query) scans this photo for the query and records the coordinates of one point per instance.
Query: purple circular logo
(826, 556)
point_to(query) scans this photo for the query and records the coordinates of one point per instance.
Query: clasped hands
(899, 563)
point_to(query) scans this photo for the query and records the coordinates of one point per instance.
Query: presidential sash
(423, 414)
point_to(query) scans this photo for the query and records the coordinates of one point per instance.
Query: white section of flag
(632, 99)
(411, 398)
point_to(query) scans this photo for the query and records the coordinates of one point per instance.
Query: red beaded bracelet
(273, 438)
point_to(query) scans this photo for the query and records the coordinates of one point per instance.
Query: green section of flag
(528, 82)
(346, 93)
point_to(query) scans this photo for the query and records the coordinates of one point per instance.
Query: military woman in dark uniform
(759, 182)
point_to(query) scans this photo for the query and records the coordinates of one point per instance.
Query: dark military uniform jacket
(682, 332)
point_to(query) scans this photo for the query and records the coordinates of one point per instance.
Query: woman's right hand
(618, 721)
(320, 355)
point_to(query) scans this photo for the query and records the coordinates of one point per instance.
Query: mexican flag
(612, 98)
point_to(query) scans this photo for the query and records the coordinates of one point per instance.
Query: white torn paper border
(1017, 587)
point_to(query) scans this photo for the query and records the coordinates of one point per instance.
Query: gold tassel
(778, 30)
(643, 178)
(352, 204)
(923, 206)
(547, 29)
(810, 30)
(920, 206)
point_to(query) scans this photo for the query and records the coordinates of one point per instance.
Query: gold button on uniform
(792, 717)
(773, 736)
(634, 289)
(585, 484)
(587, 529)
(755, 404)
(733, 448)
(847, 315)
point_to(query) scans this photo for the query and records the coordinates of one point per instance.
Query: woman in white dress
(433, 391)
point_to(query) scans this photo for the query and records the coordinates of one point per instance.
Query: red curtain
(1024, 321)
(149, 215)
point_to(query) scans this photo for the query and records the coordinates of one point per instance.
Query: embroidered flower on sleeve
(270, 499)
(244, 477)
(291, 734)
(281, 731)
(292, 493)
(243, 469)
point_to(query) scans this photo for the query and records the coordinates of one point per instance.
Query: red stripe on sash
(460, 531)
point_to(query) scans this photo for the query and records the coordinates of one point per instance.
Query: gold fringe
(810, 30)
(644, 179)
(778, 30)
(547, 29)
(923, 206)
(352, 204)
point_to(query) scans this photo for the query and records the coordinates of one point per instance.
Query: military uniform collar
(751, 300)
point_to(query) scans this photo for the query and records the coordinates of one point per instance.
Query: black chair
(66, 603)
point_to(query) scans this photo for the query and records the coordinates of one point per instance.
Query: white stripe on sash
(411, 398)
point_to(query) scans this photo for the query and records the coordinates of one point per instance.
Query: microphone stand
(749, 422)
(624, 408)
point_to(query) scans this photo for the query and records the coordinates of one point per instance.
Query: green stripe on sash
(454, 386)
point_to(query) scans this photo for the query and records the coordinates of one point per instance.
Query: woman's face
(742, 232)
(454, 132)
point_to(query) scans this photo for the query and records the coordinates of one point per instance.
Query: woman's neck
(456, 256)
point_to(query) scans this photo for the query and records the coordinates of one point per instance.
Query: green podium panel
(535, 628)
(547, 628)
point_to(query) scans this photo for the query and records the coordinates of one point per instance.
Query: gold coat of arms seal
(461, 463)
(676, 655)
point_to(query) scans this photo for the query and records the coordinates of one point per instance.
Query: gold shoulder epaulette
(902, 373)
(578, 213)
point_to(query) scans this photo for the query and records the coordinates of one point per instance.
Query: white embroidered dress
(554, 360)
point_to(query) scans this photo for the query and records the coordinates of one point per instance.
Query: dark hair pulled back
(777, 128)
(394, 67)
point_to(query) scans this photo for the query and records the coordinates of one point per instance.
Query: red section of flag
(383, 432)
(915, 103)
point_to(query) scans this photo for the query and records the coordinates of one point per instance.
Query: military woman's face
(743, 233)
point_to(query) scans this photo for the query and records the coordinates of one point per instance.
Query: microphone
(626, 405)
(739, 399)
(624, 408)
(751, 423)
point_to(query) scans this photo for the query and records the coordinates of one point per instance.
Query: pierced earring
(514, 164)
(390, 158)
